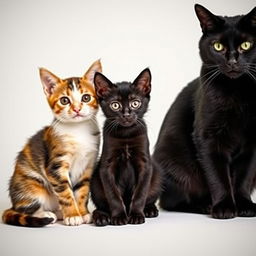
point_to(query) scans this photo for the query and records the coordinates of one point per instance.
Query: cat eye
(64, 100)
(86, 98)
(245, 46)
(135, 104)
(218, 47)
(115, 106)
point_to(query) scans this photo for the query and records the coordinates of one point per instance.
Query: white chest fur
(82, 142)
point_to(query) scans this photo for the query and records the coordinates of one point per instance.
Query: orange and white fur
(52, 172)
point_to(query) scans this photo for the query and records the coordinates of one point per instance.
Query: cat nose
(232, 62)
(77, 110)
(126, 114)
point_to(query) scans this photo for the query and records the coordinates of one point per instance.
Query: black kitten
(125, 184)
(207, 143)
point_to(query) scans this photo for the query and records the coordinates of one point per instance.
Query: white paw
(46, 214)
(87, 218)
(73, 221)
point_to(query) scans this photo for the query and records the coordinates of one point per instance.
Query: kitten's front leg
(144, 171)
(58, 176)
(113, 195)
(81, 190)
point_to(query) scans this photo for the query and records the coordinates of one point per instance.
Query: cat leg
(150, 209)
(243, 173)
(49, 207)
(145, 172)
(45, 214)
(29, 193)
(81, 190)
(113, 195)
(215, 160)
(101, 215)
(58, 176)
(28, 206)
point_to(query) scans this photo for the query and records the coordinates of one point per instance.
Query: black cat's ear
(49, 81)
(249, 20)
(102, 85)
(208, 21)
(143, 82)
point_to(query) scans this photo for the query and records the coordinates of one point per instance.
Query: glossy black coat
(207, 142)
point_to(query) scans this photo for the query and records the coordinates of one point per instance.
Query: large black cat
(207, 142)
(125, 183)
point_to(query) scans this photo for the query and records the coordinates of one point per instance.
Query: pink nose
(77, 110)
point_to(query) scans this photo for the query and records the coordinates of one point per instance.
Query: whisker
(208, 73)
(251, 75)
(211, 78)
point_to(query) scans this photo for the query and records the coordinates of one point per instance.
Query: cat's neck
(75, 127)
(119, 131)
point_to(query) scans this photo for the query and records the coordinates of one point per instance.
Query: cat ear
(95, 67)
(208, 21)
(143, 82)
(102, 85)
(49, 81)
(249, 20)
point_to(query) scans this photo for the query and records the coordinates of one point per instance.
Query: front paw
(120, 219)
(225, 209)
(100, 218)
(87, 218)
(73, 220)
(150, 211)
(245, 208)
(136, 218)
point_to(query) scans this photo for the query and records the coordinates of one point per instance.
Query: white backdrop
(67, 36)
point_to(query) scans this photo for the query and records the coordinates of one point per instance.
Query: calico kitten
(52, 172)
(125, 184)
(207, 142)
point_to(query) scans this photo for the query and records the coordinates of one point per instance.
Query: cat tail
(12, 217)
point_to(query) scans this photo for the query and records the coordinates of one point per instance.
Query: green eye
(246, 46)
(64, 100)
(218, 47)
(115, 105)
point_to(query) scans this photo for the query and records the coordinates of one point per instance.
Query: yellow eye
(218, 46)
(246, 46)
(115, 105)
(135, 104)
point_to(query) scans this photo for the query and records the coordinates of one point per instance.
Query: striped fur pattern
(53, 170)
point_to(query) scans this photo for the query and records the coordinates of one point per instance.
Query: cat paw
(225, 209)
(46, 214)
(100, 218)
(246, 208)
(73, 221)
(150, 211)
(120, 219)
(87, 218)
(136, 218)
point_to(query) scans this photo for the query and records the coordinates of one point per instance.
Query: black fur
(125, 184)
(207, 142)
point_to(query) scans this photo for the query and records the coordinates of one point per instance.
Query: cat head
(124, 103)
(228, 44)
(72, 99)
